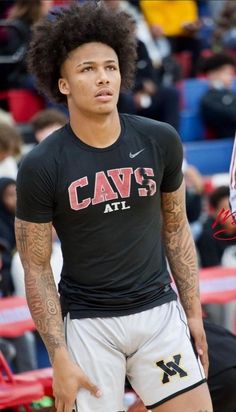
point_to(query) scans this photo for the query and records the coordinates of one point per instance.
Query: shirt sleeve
(35, 189)
(173, 159)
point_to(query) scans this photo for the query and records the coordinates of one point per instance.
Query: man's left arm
(182, 258)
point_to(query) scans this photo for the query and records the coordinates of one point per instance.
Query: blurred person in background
(23, 15)
(46, 122)
(212, 246)
(225, 27)
(194, 197)
(7, 216)
(218, 104)
(178, 21)
(10, 150)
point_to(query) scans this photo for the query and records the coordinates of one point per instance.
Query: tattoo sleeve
(34, 243)
(180, 250)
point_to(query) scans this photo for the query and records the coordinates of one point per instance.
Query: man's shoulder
(145, 124)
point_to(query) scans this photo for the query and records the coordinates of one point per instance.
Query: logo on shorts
(171, 368)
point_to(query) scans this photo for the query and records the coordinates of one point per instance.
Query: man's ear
(63, 86)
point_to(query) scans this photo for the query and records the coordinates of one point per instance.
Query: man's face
(91, 79)
(9, 198)
(224, 75)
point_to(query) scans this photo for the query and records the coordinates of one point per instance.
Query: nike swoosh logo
(132, 155)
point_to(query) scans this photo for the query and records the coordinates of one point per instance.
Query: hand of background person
(192, 27)
(193, 179)
(200, 343)
(149, 87)
(156, 31)
(68, 379)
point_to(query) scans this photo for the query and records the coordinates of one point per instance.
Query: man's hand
(68, 378)
(200, 342)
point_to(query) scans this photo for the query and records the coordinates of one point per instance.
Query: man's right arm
(34, 243)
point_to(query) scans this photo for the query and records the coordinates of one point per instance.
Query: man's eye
(110, 67)
(87, 69)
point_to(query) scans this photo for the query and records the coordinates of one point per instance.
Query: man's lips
(103, 93)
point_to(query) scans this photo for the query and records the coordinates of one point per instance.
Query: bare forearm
(181, 254)
(180, 250)
(45, 309)
(34, 245)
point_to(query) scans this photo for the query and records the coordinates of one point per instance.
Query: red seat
(17, 392)
(44, 376)
(23, 104)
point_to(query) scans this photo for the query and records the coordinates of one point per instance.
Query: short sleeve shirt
(105, 205)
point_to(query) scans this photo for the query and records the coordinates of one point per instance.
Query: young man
(103, 181)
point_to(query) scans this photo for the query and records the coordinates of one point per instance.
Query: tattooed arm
(34, 243)
(181, 255)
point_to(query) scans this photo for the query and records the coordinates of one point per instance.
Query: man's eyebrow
(93, 62)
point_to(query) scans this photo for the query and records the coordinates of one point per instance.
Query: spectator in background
(7, 216)
(24, 14)
(211, 249)
(46, 122)
(218, 104)
(148, 99)
(10, 149)
(194, 196)
(224, 34)
(178, 21)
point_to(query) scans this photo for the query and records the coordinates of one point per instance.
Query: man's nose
(102, 77)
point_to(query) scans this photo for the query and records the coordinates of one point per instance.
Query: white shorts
(153, 348)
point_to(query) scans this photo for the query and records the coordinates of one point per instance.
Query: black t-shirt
(105, 207)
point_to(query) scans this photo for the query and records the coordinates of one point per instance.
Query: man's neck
(97, 131)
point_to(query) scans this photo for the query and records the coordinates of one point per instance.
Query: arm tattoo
(180, 248)
(34, 245)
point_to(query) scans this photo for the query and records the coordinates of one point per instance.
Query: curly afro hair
(66, 29)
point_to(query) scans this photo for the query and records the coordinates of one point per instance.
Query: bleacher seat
(210, 156)
(191, 124)
(17, 393)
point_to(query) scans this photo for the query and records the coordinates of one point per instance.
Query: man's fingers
(60, 406)
(202, 350)
(205, 363)
(93, 389)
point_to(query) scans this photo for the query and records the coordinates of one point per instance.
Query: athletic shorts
(153, 348)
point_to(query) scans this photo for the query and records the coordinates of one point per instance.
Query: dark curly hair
(68, 28)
